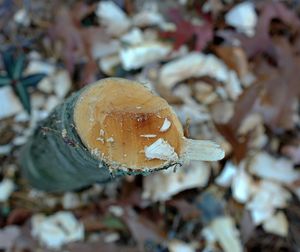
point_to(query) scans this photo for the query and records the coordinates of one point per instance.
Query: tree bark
(55, 159)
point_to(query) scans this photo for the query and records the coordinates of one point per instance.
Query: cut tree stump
(110, 128)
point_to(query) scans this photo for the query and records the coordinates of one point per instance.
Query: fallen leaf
(93, 223)
(262, 40)
(276, 92)
(99, 246)
(18, 216)
(234, 57)
(114, 223)
(185, 31)
(186, 210)
(293, 152)
(239, 144)
(293, 216)
(77, 40)
(280, 92)
(142, 228)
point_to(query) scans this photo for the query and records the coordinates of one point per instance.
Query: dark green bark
(55, 159)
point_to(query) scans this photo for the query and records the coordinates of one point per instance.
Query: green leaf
(8, 62)
(113, 222)
(22, 93)
(32, 80)
(4, 80)
(18, 67)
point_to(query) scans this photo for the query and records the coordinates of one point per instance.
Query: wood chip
(243, 17)
(203, 150)
(7, 186)
(242, 186)
(9, 103)
(140, 55)
(227, 234)
(180, 246)
(166, 125)
(62, 83)
(197, 65)
(267, 197)
(227, 174)
(112, 17)
(277, 224)
(162, 186)
(282, 170)
(160, 149)
(57, 230)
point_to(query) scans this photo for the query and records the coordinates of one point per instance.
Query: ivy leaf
(8, 63)
(4, 80)
(18, 67)
(14, 66)
(23, 94)
(32, 80)
(186, 31)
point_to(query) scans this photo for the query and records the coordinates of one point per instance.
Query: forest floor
(230, 69)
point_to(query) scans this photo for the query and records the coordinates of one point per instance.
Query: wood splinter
(119, 126)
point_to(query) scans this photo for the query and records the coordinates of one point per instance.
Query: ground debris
(163, 186)
(230, 71)
(56, 230)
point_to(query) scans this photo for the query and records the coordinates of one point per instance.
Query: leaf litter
(230, 81)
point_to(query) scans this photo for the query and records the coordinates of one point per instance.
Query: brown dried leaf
(142, 228)
(293, 216)
(77, 40)
(293, 152)
(281, 90)
(186, 209)
(276, 91)
(239, 145)
(244, 105)
(262, 41)
(99, 246)
(18, 216)
(185, 31)
(234, 57)
(93, 223)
